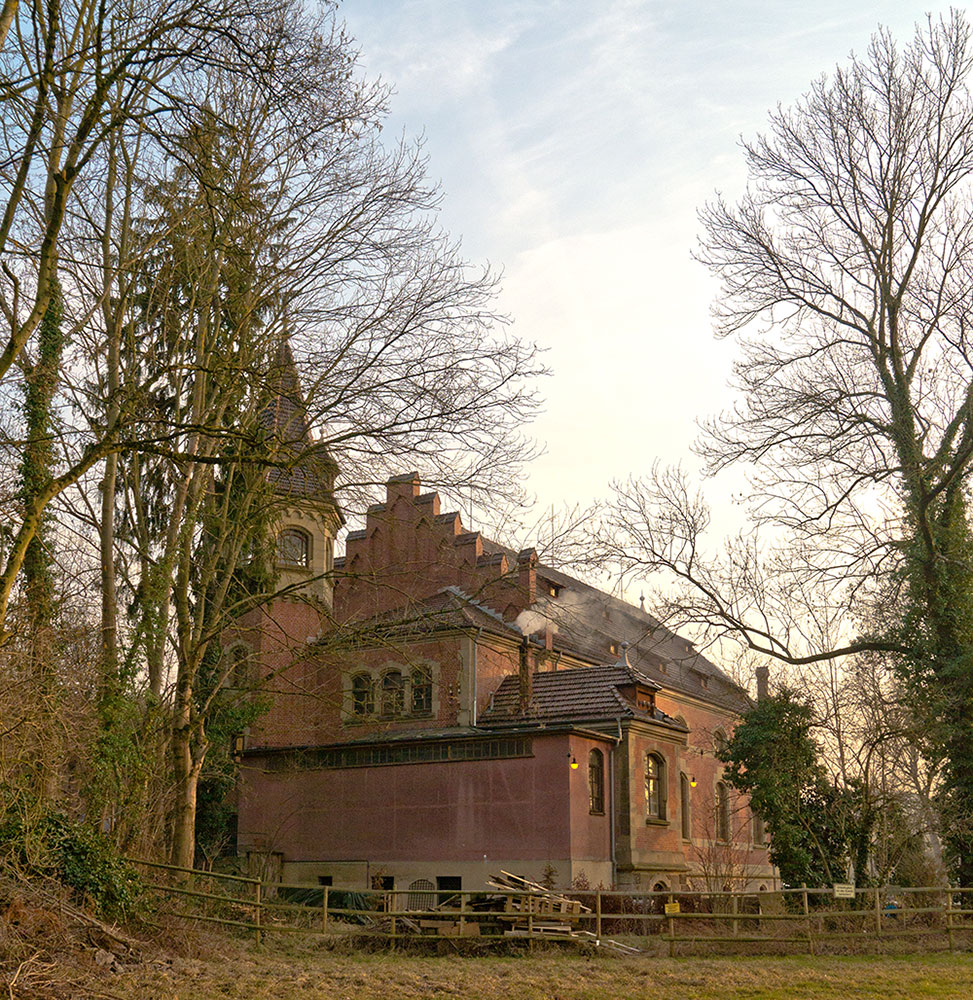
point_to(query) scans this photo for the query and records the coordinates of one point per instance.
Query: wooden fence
(809, 920)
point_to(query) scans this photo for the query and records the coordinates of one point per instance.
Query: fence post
(530, 922)
(598, 914)
(324, 912)
(807, 918)
(257, 907)
(462, 913)
(672, 933)
(393, 906)
(949, 917)
(878, 912)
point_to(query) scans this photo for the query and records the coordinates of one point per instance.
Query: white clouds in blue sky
(575, 142)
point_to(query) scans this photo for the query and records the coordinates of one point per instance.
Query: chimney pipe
(763, 682)
(526, 677)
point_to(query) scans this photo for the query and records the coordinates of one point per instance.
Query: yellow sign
(672, 909)
(843, 890)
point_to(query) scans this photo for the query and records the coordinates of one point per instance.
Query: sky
(575, 142)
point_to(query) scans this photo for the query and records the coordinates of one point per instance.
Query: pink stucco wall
(531, 808)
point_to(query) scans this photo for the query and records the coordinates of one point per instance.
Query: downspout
(476, 646)
(611, 812)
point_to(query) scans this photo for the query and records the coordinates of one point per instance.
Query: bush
(78, 857)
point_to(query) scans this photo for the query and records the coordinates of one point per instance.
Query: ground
(243, 973)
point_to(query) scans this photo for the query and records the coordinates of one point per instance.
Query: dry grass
(242, 973)
(203, 964)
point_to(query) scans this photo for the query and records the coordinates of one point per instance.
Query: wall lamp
(574, 761)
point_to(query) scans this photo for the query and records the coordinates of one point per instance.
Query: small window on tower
(294, 548)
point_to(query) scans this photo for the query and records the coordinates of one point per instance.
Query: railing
(806, 919)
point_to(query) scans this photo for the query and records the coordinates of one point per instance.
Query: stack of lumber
(535, 907)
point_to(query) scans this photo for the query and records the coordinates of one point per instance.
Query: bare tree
(847, 274)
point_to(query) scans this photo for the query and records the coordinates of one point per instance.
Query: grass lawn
(267, 975)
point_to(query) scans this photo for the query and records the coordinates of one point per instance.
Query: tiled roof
(448, 608)
(581, 694)
(588, 622)
(310, 476)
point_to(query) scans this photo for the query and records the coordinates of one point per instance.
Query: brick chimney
(763, 682)
(527, 575)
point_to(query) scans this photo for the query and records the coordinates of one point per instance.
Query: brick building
(452, 708)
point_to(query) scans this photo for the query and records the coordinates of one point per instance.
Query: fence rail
(680, 922)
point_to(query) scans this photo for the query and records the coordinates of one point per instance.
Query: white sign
(842, 890)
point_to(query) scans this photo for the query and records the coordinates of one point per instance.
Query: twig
(20, 968)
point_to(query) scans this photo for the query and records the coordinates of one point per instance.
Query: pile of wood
(536, 909)
(525, 909)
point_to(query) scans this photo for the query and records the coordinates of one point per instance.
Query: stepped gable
(578, 695)
(410, 548)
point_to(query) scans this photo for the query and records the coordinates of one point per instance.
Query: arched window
(422, 895)
(421, 683)
(722, 811)
(655, 787)
(719, 740)
(759, 831)
(294, 548)
(685, 817)
(596, 782)
(362, 695)
(393, 693)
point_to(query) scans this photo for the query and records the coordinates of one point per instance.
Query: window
(722, 811)
(362, 695)
(596, 782)
(759, 831)
(239, 673)
(421, 683)
(655, 787)
(393, 693)
(685, 818)
(294, 548)
(719, 740)
(421, 895)
(448, 885)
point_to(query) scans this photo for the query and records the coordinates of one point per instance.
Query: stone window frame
(596, 782)
(685, 806)
(723, 812)
(656, 788)
(362, 695)
(379, 708)
(304, 540)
